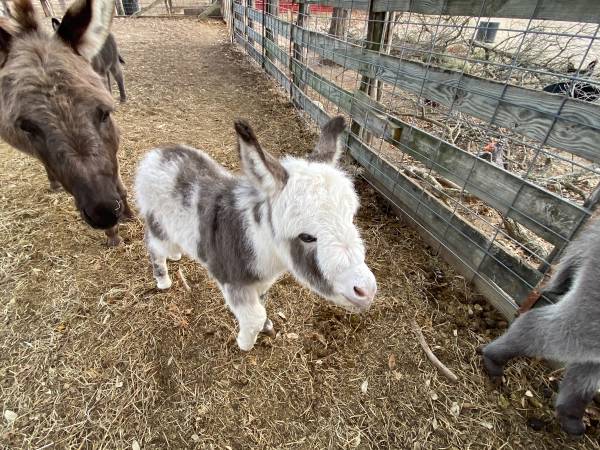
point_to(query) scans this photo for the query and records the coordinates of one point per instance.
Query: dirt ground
(93, 356)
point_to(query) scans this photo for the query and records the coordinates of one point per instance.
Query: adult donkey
(54, 107)
(107, 62)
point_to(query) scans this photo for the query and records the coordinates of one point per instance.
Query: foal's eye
(306, 237)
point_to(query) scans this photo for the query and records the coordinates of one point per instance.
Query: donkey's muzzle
(103, 215)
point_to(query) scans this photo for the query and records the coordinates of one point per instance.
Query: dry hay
(94, 357)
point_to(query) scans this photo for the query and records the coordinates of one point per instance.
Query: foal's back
(175, 187)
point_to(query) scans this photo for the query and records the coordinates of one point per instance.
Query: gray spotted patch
(305, 262)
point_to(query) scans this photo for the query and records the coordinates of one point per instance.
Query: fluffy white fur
(305, 197)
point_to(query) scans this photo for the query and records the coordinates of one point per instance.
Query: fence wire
(124, 8)
(482, 130)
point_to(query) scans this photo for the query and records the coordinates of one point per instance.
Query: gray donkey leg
(117, 74)
(159, 250)
(525, 337)
(249, 311)
(577, 390)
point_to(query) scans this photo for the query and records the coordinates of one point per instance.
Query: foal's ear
(265, 171)
(86, 25)
(55, 23)
(329, 148)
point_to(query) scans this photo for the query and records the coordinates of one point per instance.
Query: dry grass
(94, 357)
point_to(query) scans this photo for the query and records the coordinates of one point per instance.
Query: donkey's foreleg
(525, 337)
(577, 390)
(112, 236)
(250, 313)
(54, 183)
(122, 190)
(158, 251)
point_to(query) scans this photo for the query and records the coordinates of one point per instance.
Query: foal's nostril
(360, 292)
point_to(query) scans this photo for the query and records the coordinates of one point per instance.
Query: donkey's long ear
(55, 23)
(265, 171)
(5, 39)
(329, 148)
(86, 25)
(24, 15)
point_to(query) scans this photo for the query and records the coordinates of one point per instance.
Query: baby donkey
(290, 215)
(567, 331)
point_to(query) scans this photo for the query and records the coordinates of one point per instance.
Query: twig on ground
(436, 362)
(186, 286)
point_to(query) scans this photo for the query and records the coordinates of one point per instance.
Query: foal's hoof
(113, 241)
(268, 329)
(573, 426)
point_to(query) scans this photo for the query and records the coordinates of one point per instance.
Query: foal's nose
(365, 293)
(103, 215)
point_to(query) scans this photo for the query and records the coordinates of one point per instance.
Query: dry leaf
(135, 445)
(195, 437)
(292, 336)
(364, 386)
(455, 409)
(529, 394)
(487, 425)
(281, 315)
(392, 361)
(433, 396)
(10, 416)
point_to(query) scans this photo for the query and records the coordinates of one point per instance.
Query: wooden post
(47, 8)
(379, 34)
(119, 7)
(298, 48)
(271, 9)
(249, 24)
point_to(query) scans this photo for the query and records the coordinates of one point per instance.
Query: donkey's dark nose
(103, 215)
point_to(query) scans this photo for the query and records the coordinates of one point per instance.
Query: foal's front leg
(249, 311)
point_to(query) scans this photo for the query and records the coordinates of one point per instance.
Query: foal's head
(312, 205)
(54, 107)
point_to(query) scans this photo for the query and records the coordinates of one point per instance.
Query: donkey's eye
(306, 237)
(29, 127)
(103, 115)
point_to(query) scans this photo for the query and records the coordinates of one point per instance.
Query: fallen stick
(436, 362)
(186, 286)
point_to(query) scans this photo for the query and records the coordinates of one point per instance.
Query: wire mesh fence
(479, 122)
(57, 8)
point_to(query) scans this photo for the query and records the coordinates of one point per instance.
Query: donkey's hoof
(494, 370)
(127, 215)
(163, 283)
(113, 241)
(268, 329)
(245, 345)
(123, 99)
(573, 426)
(55, 186)
(175, 257)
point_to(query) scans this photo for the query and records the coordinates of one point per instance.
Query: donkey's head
(311, 206)
(54, 107)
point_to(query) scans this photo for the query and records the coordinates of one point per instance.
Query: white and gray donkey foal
(567, 331)
(290, 215)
